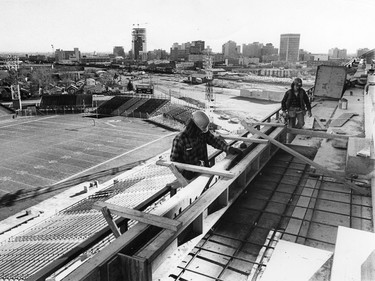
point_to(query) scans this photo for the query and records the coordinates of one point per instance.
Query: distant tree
(43, 77)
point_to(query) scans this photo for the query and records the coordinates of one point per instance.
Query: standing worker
(295, 103)
(190, 146)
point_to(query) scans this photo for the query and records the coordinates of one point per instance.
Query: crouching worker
(190, 146)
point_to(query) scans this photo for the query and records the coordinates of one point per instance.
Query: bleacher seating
(130, 111)
(55, 101)
(112, 105)
(150, 106)
(5, 111)
(128, 104)
(181, 114)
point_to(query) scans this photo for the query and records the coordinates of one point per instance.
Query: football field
(44, 150)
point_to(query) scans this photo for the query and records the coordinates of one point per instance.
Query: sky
(97, 25)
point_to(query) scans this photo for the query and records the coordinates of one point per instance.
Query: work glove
(234, 150)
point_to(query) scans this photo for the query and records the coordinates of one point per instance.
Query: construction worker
(190, 146)
(295, 103)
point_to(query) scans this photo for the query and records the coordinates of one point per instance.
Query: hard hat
(297, 81)
(201, 120)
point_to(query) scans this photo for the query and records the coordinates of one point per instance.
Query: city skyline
(98, 25)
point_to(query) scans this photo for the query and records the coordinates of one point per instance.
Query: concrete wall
(262, 95)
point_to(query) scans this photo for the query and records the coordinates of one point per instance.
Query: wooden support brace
(132, 214)
(317, 134)
(181, 179)
(324, 170)
(112, 225)
(321, 125)
(251, 140)
(198, 169)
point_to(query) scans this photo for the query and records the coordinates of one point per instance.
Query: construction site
(88, 195)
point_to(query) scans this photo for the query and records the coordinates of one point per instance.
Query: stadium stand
(5, 112)
(112, 105)
(181, 114)
(130, 111)
(64, 103)
(125, 106)
(30, 251)
(150, 107)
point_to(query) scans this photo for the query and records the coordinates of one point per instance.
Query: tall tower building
(289, 47)
(139, 49)
(230, 50)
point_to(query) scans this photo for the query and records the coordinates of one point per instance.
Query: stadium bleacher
(112, 105)
(150, 106)
(55, 101)
(129, 111)
(181, 114)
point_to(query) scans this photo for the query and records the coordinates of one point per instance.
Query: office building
(289, 47)
(336, 53)
(71, 56)
(253, 50)
(139, 46)
(181, 52)
(230, 50)
(118, 51)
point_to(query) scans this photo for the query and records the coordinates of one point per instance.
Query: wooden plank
(132, 214)
(267, 124)
(112, 225)
(319, 167)
(198, 169)
(134, 268)
(341, 120)
(321, 125)
(181, 179)
(251, 140)
(317, 134)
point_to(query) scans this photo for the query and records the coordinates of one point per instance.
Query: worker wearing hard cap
(190, 146)
(295, 103)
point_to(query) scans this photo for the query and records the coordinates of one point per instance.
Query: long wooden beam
(305, 159)
(267, 124)
(132, 214)
(198, 169)
(251, 140)
(317, 134)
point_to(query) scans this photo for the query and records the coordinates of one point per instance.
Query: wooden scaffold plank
(132, 214)
(198, 169)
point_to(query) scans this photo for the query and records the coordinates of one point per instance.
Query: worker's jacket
(190, 147)
(301, 100)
